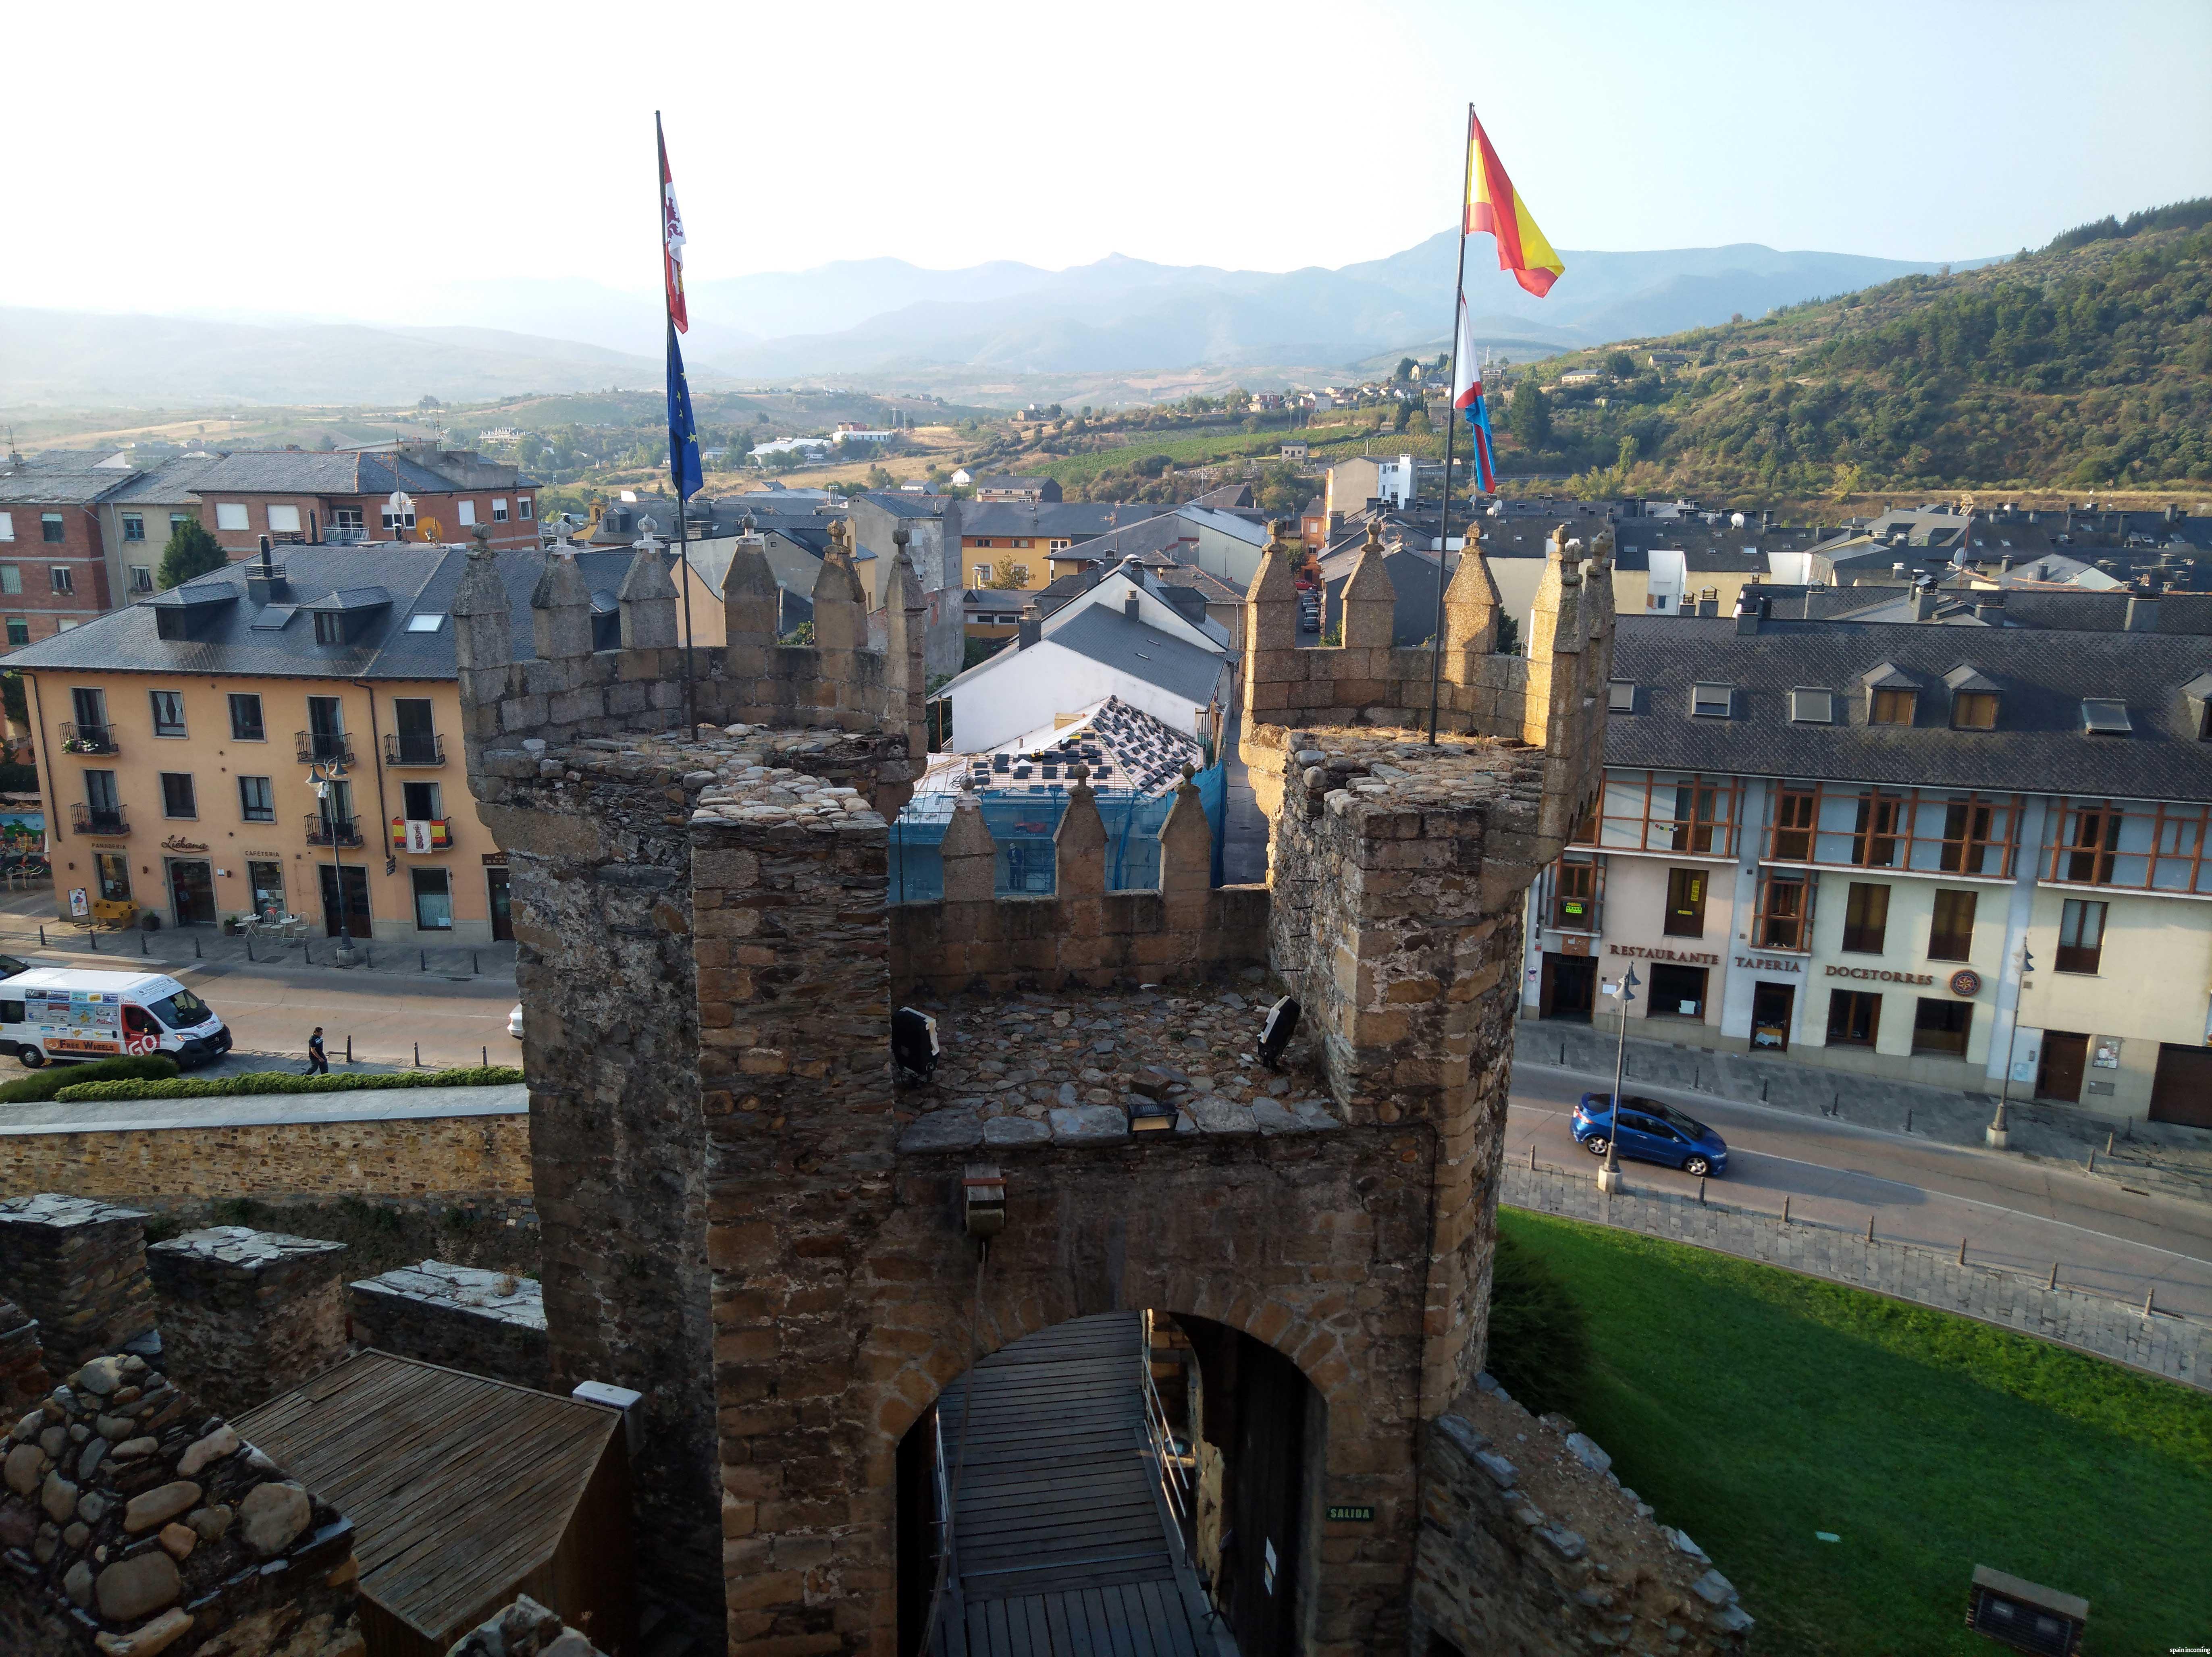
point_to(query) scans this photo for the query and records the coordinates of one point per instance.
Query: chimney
(1709, 601)
(2142, 612)
(1923, 603)
(265, 578)
(1032, 627)
(1130, 606)
(2005, 565)
(1747, 614)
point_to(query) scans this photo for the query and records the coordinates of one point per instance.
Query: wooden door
(2065, 1057)
(502, 905)
(2182, 1091)
(1267, 1501)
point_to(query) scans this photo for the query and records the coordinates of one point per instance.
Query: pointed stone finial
(647, 600)
(1370, 598)
(1471, 602)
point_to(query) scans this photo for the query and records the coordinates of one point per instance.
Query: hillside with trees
(2085, 364)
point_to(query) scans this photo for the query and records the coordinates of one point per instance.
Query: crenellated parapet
(975, 937)
(560, 690)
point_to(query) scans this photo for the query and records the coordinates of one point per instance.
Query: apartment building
(181, 740)
(53, 564)
(1832, 839)
(344, 497)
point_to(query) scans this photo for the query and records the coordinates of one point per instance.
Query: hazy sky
(328, 159)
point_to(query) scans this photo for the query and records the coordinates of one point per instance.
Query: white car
(514, 1022)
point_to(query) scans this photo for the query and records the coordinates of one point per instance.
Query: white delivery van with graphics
(56, 1012)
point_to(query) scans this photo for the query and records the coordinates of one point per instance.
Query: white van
(58, 1012)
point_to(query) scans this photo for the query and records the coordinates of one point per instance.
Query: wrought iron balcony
(87, 738)
(324, 829)
(346, 535)
(324, 746)
(401, 748)
(99, 820)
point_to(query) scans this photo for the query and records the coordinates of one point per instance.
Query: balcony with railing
(98, 819)
(324, 829)
(87, 738)
(406, 747)
(324, 746)
(346, 535)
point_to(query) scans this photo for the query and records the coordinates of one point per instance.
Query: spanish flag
(1522, 248)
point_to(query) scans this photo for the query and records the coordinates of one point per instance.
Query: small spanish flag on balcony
(1494, 205)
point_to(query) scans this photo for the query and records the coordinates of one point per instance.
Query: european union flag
(683, 429)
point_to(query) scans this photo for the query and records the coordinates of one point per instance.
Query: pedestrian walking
(317, 1064)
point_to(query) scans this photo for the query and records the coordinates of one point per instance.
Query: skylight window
(1712, 701)
(1813, 707)
(428, 621)
(2104, 717)
(1621, 696)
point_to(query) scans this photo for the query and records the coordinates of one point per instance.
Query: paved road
(2023, 1215)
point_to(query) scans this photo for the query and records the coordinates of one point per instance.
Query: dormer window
(1621, 696)
(1712, 701)
(1892, 705)
(1812, 707)
(1974, 698)
(2104, 716)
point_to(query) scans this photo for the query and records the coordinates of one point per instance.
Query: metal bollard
(1869, 1227)
(423, 957)
(2054, 1274)
(348, 1048)
(142, 949)
(2108, 1145)
(474, 969)
(1962, 1251)
(2093, 1159)
(1908, 1119)
(197, 956)
(2147, 1295)
(418, 1056)
(42, 935)
(486, 1051)
(1785, 1211)
(1701, 1187)
(1532, 1159)
(249, 946)
(94, 936)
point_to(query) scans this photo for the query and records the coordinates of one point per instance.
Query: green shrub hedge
(40, 1085)
(280, 1081)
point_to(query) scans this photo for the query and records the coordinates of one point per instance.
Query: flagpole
(675, 458)
(1451, 415)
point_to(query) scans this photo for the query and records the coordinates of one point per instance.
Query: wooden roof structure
(460, 1489)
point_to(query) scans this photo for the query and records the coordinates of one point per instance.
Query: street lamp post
(1608, 1176)
(1996, 1134)
(323, 775)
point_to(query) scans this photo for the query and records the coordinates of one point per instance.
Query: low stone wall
(442, 1157)
(485, 1322)
(132, 1522)
(2179, 1348)
(78, 1266)
(1529, 1545)
(246, 1313)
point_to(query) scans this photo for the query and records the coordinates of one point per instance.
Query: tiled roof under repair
(43, 486)
(305, 471)
(458, 1487)
(2039, 741)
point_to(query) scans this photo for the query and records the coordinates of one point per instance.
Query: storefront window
(114, 877)
(1854, 1018)
(1677, 992)
(1942, 1027)
(267, 880)
(434, 900)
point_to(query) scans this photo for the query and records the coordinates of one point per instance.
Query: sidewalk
(2146, 1156)
(26, 915)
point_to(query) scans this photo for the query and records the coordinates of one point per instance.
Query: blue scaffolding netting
(1023, 825)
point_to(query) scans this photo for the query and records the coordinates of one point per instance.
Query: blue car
(1650, 1133)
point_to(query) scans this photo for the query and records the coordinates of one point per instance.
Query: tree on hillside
(1620, 364)
(1404, 368)
(1530, 419)
(191, 551)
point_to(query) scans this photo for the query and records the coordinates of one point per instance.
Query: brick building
(342, 497)
(53, 558)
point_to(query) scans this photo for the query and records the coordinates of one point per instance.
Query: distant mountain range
(1118, 316)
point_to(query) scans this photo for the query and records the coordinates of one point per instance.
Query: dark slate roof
(304, 471)
(170, 483)
(2069, 611)
(416, 578)
(1108, 636)
(1076, 520)
(43, 486)
(904, 503)
(2039, 742)
(1164, 535)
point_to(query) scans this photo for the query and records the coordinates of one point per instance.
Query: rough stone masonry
(747, 1220)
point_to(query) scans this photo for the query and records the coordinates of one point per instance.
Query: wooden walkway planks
(1062, 1546)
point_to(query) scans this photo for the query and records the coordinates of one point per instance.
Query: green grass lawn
(1753, 1407)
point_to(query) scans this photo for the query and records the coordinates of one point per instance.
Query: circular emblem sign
(1965, 981)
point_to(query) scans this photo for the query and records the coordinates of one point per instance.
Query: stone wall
(23, 1378)
(488, 1323)
(132, 1521)
(1529, 1545)
(598, 850)
(78, 1266)
(2178, 1348)
(245, 1313)
(448, 1158)
(1082, 934)
(524, 1629)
